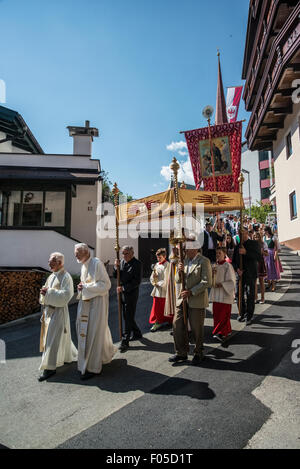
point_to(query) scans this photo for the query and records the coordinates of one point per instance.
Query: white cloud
(185, 172)
(177, 146)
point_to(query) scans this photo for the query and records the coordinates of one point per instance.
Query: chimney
(82, 138)
(221, 114)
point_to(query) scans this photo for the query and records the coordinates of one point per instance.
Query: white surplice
(95, 346)
(58, 346)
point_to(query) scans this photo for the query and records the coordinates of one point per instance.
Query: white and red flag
(234, 94)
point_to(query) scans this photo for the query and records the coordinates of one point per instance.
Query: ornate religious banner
(163, 204)
(154, 206)
(213, 201)
(225, 145)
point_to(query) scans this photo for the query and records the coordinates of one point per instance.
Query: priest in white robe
(55, 340)
(95, 346)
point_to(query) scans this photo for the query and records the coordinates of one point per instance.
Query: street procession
(149, 296)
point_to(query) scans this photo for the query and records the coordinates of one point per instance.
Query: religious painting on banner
(226, 149)
(221, 156)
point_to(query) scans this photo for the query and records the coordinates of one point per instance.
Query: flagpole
(179, 239)
(241, 182)
(115, 192)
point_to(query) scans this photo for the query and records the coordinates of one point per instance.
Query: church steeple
(221, 115)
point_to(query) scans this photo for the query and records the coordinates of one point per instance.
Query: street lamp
(248, 172)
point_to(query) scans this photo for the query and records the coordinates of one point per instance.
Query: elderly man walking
(130, 276)
(95, 346)
(55, 342)
(198, 278)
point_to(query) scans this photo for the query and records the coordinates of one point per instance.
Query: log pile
(19, 293)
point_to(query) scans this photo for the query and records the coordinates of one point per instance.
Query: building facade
(272, 72)
(47, 202)
(258, 168)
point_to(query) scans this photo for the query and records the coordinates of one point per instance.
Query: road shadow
(268, 349)
(119, 377)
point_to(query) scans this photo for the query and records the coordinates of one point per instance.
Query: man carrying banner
(198, 278)
(251, 254)
(95, 346)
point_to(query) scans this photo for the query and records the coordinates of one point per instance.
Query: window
(265, 193)
(288, 142)
(263, 155)
(27, 208)
(293, 205)
(55, 209)
(265, 173)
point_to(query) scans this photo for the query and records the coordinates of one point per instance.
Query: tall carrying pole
(212, 155)
(241, 181)
(115, 192)
(179, 238)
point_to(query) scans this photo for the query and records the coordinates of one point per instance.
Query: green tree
(107, 185)
(259, 211)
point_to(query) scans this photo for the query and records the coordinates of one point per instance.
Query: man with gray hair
(130, 276)
(95, 346)
(198, 278)
(55, 341)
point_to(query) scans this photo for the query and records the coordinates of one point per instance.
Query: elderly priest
(55, 341)
(95, 346)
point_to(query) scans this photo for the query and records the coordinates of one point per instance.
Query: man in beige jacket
(198, 278)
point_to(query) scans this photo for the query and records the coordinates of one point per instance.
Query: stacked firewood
(19, 293)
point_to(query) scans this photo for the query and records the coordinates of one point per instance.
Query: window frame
(293, 215)
(288, 145)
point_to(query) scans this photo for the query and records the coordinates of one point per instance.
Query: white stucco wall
(31, 248)
(287, 177)
(84, 218)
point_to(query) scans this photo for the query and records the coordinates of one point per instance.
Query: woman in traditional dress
(230, 245)
(272, 263)
(261, 270)
(159, 281)
(222, 295)
(219, 228)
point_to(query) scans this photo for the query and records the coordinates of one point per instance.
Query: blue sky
(140, 70)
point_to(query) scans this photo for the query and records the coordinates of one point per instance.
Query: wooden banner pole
(179, 238)
(241, 182)
(115, 192)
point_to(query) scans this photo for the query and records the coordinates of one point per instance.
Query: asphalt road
(142, 401)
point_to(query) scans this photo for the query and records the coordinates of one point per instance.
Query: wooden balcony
(273, 98)
(273, 15)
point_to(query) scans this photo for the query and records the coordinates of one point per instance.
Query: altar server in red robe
(222, 295)
(159, 281)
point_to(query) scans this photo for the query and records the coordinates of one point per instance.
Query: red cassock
(221, 314)
(157, 312)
